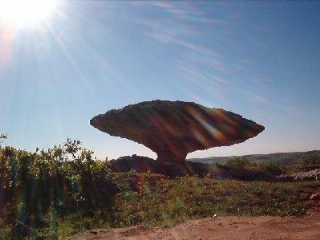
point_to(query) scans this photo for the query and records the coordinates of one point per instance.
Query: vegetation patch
(64, 190)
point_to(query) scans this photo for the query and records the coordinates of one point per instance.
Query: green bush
(237, 162)
(38, 188)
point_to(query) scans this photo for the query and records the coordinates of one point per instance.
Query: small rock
(315, 196)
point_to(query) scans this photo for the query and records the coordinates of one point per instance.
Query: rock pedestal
(172, 129)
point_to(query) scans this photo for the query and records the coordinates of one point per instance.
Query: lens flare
(25, 13)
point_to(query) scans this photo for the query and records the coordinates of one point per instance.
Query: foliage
(38, 188)
(237, 162)
(311, 160)
(243, 169)
(160, 201)
(54, 193)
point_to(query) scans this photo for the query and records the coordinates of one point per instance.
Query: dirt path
(222, 228)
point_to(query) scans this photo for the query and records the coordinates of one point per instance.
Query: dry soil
(220, 227)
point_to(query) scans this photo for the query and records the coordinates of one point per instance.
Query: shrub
(237, 162)
(312, 160)
(59, 180)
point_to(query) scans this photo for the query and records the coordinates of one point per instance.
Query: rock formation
(172, 129)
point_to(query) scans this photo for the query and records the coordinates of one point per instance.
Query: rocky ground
(220, 227)
(300, 176)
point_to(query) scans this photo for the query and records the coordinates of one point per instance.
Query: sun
(26, 13)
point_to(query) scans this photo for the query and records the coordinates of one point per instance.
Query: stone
(172, 129)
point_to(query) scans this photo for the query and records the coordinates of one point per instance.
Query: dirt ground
(220, 227)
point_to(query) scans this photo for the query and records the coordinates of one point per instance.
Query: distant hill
(284, 158)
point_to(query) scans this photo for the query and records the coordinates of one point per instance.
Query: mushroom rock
(172, 129)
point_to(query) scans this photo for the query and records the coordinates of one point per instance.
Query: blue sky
(258, 59)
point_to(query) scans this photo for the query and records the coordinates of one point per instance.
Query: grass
(153, 200)
(55, 193)
(166, 202)
(170, 201)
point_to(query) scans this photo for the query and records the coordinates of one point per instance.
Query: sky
(259, 59)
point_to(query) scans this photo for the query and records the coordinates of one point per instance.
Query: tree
(237, 162)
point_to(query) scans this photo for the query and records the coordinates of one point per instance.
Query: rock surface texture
(301, 176)
(172, 129)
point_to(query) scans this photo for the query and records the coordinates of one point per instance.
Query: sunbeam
(26, 13)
